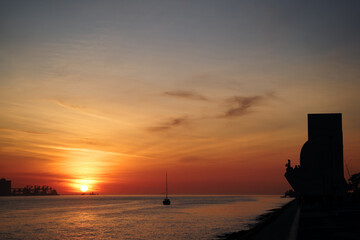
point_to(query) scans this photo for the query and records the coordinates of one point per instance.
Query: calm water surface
(129, 217)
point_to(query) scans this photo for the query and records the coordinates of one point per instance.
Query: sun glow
(84, 188)
(84, 185)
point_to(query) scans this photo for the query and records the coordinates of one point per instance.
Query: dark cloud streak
(243, 105)
(237, 106)
(186, 94)
(170, 124)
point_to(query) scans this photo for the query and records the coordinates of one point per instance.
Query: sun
(84, 188)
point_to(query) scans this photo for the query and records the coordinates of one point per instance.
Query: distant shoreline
(42, 195)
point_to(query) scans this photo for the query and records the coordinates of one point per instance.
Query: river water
(129, 217)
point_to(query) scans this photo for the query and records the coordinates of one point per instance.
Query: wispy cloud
(192, 159)
(40, 176)
(170, 124)
(199, 160)
(69, 106)
(236, 106)
(242, 105)
(186, 94)
(94, 151)
(20, 130)
(80, 109)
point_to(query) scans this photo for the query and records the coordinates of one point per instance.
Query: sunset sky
(112, 94)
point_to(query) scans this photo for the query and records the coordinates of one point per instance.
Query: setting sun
(84, 188)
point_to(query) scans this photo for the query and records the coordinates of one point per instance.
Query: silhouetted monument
(321, 170)
(5, 187)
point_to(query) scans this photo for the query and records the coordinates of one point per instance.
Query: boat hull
(166, 201)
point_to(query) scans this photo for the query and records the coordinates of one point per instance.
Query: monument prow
(321, 170)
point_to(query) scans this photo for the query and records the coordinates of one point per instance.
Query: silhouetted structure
(321, 169)
(354, 181)
(6, 190)
(289, 193)
(30, 190)
(5, 187)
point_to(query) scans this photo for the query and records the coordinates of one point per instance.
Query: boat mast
(166, 185)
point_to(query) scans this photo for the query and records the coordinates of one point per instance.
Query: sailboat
(166, 201)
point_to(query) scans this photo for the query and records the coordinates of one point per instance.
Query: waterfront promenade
(330, 220)
(274, 225)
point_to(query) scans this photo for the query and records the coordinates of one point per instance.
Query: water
(129, 217)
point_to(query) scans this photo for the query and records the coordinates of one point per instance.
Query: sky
(114, 94)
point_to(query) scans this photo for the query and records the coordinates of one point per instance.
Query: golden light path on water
(130, 216)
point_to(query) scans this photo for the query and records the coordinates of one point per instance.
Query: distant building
(5, 187)
(321, 170)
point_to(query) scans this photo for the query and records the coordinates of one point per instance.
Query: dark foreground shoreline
(272, 217)
(320, 219)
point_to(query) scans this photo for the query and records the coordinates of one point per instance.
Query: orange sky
(90, 96)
